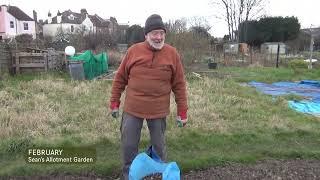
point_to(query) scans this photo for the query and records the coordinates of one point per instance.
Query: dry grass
(222, 106)
(227, 122)
(53, 108)
(115, 57)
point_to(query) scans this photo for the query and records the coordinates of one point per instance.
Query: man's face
(156, 38)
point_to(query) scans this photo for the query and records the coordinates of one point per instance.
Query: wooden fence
(29, 59)
(5, 57)
(252, 58)
(37, 60)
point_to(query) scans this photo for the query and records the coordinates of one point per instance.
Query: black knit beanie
(153, 22)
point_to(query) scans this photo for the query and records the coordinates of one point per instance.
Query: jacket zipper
(153, 56)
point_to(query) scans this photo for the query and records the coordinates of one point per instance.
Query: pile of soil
(270, 169)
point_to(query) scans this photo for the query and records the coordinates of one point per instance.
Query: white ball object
(70, 50)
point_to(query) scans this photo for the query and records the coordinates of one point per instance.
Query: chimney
(83, 11)
(4, 8)
(49, 18)
(35, 16)
(59, 17)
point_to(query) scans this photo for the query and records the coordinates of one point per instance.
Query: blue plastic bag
(148, 163)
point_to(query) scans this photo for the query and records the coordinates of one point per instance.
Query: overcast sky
(136, 11)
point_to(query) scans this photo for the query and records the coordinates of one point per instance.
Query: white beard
(155, 45)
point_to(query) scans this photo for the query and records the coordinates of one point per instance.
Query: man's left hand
(182, 119)
(114, 106)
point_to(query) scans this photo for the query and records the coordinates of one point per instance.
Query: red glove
(114, 106)
(182, 118)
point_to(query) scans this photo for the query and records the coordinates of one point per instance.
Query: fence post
(45, 57)
(17, 63)
(278, 51)
(50, 59)
(250, 49)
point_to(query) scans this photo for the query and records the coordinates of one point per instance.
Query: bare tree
(190, 37)
(197, 21)
(234, 12)
(176, 26)
(254, 8)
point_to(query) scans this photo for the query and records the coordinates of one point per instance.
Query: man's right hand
(115, 113)
(114, 106)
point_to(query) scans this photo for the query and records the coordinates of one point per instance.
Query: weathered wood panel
(39, 61)
(5, 57)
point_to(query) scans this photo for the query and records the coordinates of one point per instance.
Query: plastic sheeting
(94, 65)
(307, 88)
(148, 163)
(307, 107)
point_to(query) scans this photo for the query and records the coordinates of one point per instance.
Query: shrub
(115, 58)
(24, 38)
(298, 64)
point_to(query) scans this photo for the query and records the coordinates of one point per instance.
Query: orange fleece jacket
(149, 76)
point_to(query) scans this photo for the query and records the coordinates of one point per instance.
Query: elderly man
(149, 72)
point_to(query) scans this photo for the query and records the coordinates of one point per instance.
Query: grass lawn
(228, 122)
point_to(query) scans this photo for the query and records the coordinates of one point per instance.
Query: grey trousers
(130, 138)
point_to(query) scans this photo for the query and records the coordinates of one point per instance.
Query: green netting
(93, 65)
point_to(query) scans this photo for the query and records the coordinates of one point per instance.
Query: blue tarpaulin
(148, 163)
(307, 88)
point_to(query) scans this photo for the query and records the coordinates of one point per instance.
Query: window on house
(11, 24)
(72, 28)
(0, 38)
(25, 26)
(71, 17)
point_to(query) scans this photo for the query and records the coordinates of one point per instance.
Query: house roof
(79, 18)
(315, 31)
(18, 13)
(98, 21)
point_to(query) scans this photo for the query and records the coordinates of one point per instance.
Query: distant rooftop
(18, 13)
(315, 31)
